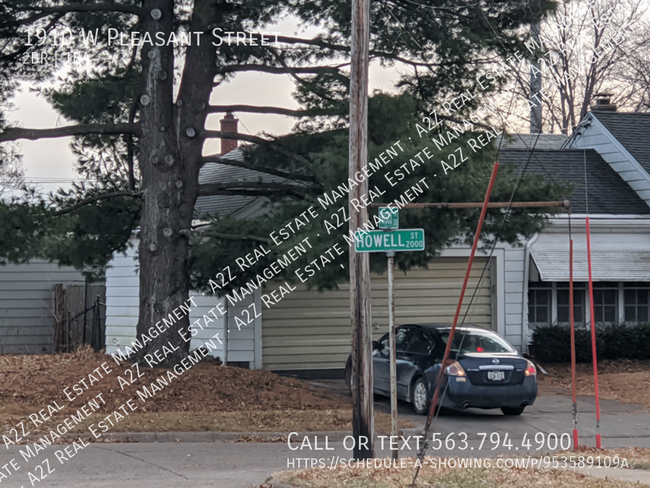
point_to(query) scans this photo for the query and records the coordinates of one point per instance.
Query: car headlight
(531, 370)
(455, 369)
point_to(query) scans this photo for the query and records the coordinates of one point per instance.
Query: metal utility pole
(393, 353)
(363, 425)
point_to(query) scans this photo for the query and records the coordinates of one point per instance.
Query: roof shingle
(608, 193)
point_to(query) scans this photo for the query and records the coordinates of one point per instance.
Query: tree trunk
(171, 146)
(166, 206)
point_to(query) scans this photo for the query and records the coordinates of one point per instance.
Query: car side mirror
(377, 346)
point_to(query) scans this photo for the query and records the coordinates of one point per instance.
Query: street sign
(382, 241)
(389, 218)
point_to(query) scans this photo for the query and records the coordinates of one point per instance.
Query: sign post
(390, 240)
(391, 345)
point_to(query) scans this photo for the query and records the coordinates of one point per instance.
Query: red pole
(481, 219)
(573, 348)
(593, 336)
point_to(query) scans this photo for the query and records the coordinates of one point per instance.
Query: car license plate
(496, 375)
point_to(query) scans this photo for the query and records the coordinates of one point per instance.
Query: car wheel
(420, 396)
(513, 410)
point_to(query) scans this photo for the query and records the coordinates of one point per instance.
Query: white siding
(122, 302)
(242, 335)
(27, 305)
(122, 297)
(514, 294)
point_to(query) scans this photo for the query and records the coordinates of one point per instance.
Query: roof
(608, 193)
(224, 205)
(614, 257)
(528, 141)
(632, 130)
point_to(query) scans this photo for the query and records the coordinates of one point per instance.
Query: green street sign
(389, 218)
(382, 241)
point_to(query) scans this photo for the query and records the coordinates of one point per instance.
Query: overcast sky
(50, 162)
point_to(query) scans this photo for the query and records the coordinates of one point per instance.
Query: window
(606, 302)
(578, 303)
(636, 301)
(539, 303)
(419, 342)
(401, 333)
(401, 337)
(476, 341)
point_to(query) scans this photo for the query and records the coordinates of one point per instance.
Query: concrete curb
(333, 436)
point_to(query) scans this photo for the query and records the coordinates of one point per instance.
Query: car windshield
(476, 341)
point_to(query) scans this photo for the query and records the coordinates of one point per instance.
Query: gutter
(524, 301)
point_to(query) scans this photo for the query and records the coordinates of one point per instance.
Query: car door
(412, 357)
(381, 360)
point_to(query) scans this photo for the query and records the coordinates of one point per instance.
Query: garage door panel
(309, 329)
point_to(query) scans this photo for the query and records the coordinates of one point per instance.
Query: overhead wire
(505, 217)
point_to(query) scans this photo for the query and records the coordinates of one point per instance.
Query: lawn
(617, 380)
(209, 397)
(441, 478)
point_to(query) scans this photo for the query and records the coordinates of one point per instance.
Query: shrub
(552, 344)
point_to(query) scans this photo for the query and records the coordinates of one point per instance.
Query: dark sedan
(483, 370)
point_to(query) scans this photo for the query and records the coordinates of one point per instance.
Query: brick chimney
(228, 124)
(603, 103)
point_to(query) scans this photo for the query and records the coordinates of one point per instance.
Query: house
(512, 291)
(27, 317)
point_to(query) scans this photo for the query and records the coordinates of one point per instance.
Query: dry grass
(209, 397)
(636, 457)
(443, 478)
(617, 380)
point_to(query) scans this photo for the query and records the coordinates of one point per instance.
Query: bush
(618, 341)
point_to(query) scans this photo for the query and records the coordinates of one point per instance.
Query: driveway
(622, 424)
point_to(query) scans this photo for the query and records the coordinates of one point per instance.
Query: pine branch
(230, 237)
(88, 7)
(257, 140)
(255, 188)
(342, 48)
(278, 70)
(103, 196)
(15, 133)
(65, 9)
(269, 110)
(254, 167)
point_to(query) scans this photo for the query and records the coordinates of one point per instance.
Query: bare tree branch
(15, 133)
(103, 196)
(255, 167)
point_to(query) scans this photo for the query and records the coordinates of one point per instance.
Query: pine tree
(138, 114)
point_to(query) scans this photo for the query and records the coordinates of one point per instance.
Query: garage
(310, 330)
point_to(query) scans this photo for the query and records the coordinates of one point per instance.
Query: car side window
(419, 342)
(402, 338)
